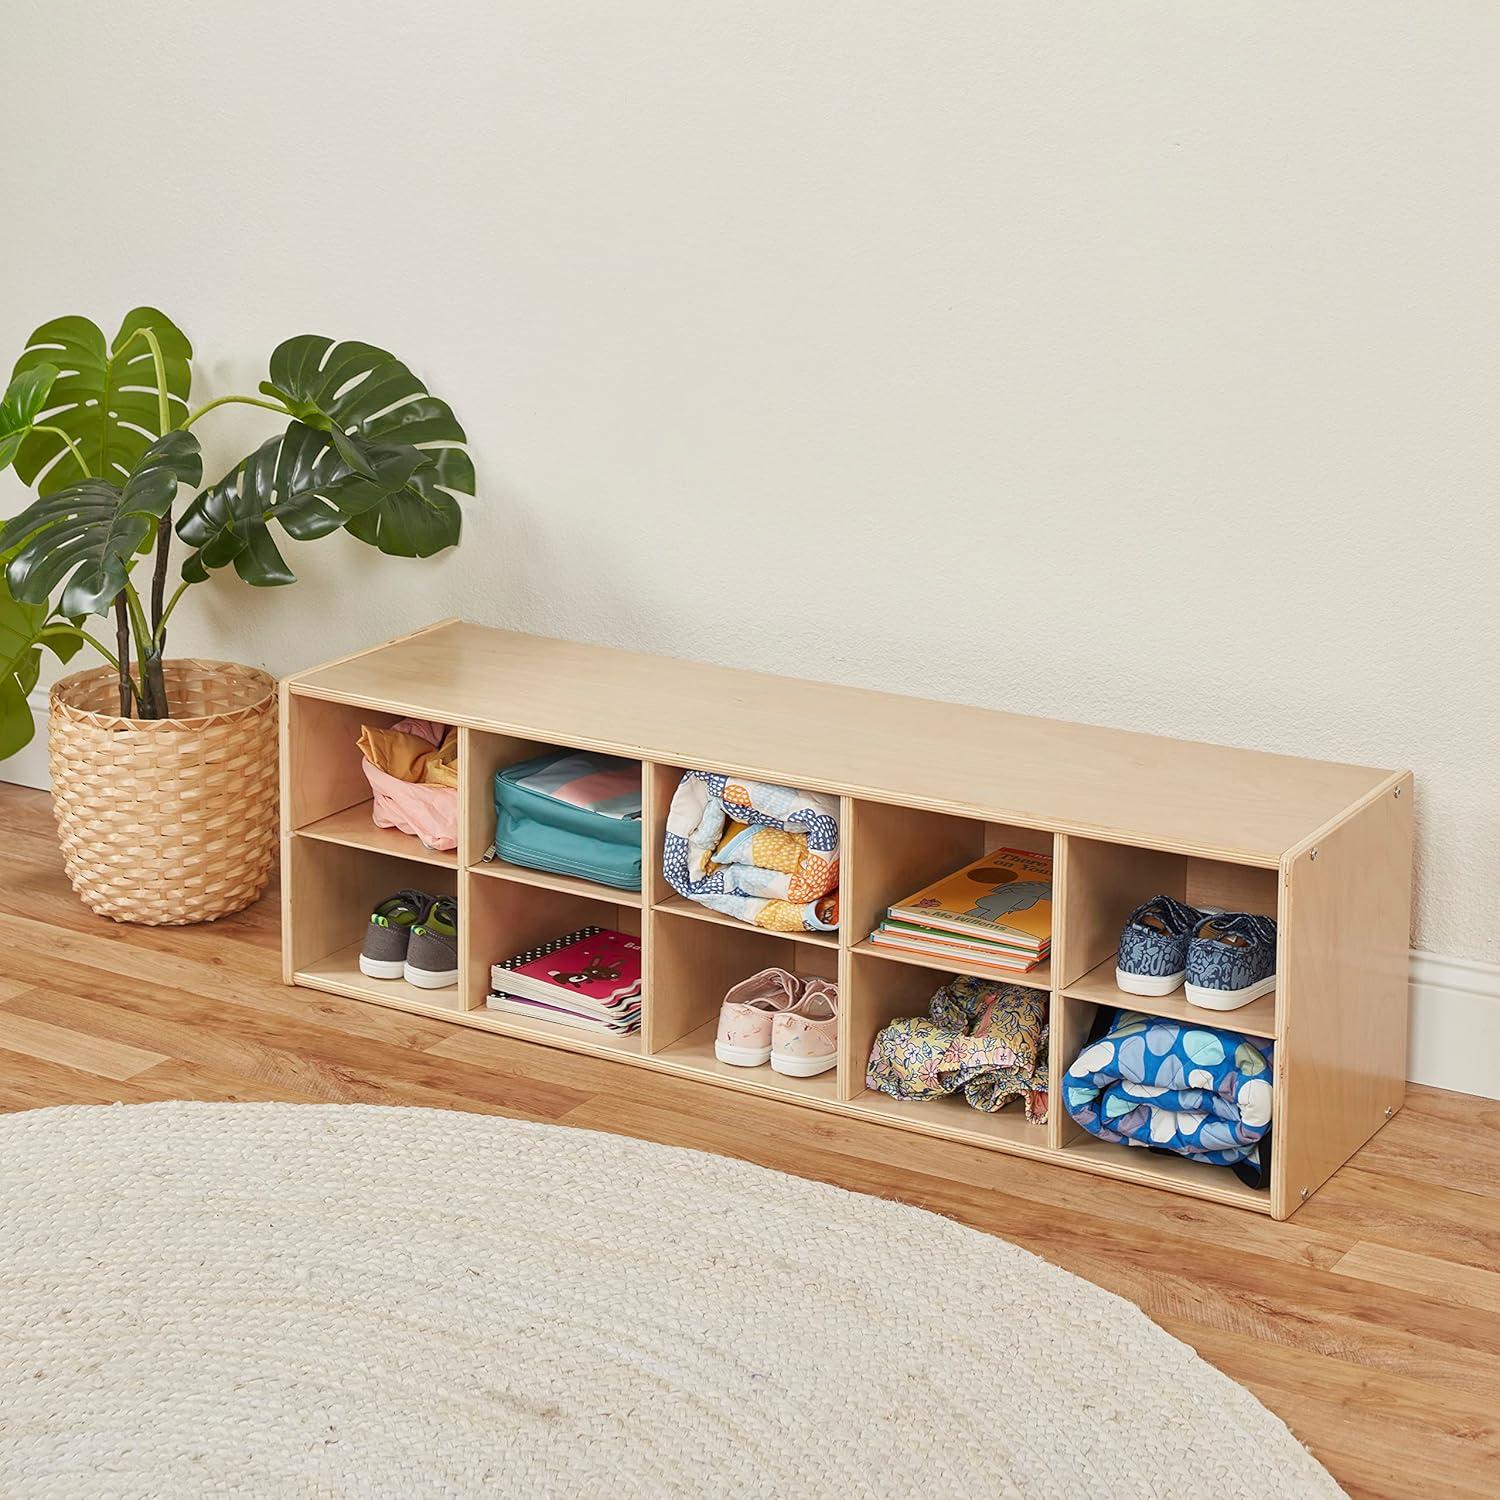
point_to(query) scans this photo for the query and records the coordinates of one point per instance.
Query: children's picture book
(1007, 893)
(592, 968)
(1006, 957)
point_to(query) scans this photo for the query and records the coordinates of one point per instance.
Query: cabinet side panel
(288, 705)
(1344, 962)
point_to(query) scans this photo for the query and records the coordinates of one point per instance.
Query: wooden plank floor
(1370, 1321)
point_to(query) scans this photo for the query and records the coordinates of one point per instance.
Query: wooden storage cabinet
(924, 788)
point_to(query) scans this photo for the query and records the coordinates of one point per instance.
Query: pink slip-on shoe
(805, 1037)
(744, 1036)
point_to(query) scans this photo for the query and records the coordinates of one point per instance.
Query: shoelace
(1246, 925)
(822, 989)
(1177, 917)
(745, 992)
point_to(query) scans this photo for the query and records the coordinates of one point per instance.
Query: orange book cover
(1008, 891)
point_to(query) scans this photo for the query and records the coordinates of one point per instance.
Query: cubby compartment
(692, 966)
(1102, 883)
(328, 796)
(877, 993)
(1072, 1025)
(662, 783)
(891, 852)
(506, 917)
(483, 753)
(337, 886)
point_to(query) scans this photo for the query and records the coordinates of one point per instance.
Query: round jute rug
(268, 1299)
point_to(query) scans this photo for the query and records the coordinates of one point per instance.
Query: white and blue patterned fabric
(1169, 1086)
(795, 890)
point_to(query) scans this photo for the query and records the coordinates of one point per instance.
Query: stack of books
(589, 979)
(993, 914)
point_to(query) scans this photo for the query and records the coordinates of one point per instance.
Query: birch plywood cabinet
(924, 787)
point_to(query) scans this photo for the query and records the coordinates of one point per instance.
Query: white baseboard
(1455, 1024)
(1455, 1002)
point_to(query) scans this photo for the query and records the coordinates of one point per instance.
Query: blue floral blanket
(1191, 1090)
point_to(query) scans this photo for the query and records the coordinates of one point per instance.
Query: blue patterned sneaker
(1153, 947)
(1231, 960)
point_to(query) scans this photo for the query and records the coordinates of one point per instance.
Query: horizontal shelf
(1039, 978)
(694, 1053)
(1098, 987)
(354, 828)
(1157, 1169)
(680, 906)
(341, 973)
(573, 885)
(955, 1119)
(536, 1029)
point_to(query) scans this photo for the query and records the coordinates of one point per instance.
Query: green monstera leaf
(298, 480)
(104, 399)
(365, 400)
(24, 630)
(21, 405)
(90, 532)
(21, 626)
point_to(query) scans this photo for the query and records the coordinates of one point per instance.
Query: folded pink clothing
(429, 813)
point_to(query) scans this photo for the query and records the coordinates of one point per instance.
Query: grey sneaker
(387, 938)
(432, 955)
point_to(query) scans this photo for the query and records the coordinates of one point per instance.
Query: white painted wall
(1130, 363)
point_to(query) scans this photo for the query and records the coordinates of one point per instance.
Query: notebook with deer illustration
(595, 965)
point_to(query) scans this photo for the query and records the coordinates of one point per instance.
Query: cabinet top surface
(1212, 800)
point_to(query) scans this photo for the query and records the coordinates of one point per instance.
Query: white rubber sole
(803, 1067)
(382, 968)
(1148, 984)
(1206, 999)
(430, 979)
(741, 1057)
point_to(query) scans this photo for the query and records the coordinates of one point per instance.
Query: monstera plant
(105, 433)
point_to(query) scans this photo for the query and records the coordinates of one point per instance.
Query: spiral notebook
(588, 978)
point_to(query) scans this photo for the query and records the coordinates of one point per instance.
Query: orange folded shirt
(408, 757)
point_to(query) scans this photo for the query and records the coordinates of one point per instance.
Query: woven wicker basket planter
(167, 821)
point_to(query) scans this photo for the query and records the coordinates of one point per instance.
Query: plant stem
(72, 446)
(155, 683)
(153, 687)
(237, 400)
(97, 644)
(166, 614)
(163, 399)
(159, 576)
(122, 658)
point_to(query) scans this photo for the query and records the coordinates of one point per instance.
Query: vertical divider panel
(471, 985)
(850, 1077)
(659, 782)
(1061, 1045)
(288, 704)
(657, 785)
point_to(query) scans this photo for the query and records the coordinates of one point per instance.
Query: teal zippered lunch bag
(537, 828)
